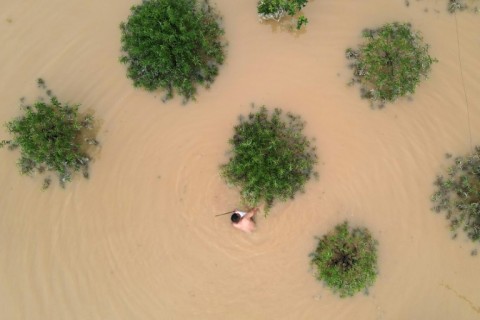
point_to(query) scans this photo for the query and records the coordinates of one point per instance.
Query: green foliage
(271, 158)
(346, 259)
(458, 194)
(172, 45)
(277, 9)
(49, 137)
(302, 21)
(391, 62)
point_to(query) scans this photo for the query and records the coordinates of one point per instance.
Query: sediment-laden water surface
(139, 239)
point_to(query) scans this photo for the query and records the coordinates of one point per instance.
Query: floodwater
(139, 240)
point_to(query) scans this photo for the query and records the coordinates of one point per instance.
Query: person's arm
(251, 213)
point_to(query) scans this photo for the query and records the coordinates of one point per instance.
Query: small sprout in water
(351, 54)
(12, 146)
(474, 252)
(41, 83)
(26, 165)
(302, 21)
(83, 161)
(64, 178)
(364, 93)
(368, 33)
(9, 143)
(87, 122)
(46, 183)
(92, 142)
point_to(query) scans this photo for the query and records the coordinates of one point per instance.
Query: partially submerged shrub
(50, 137)
(277, 9)
(458, 194)
(391, 63)
(346, 259)
(456, 5)
(462, 5)
(173, 45)
(270, 159)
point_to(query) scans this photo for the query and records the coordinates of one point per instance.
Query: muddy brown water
(139, 240)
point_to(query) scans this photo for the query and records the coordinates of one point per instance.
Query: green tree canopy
(391, 62)
(50, 137)
(458, 194)
(346, 259)
(270, 158)
(172, 45)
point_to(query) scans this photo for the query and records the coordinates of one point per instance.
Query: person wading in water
(244, 220)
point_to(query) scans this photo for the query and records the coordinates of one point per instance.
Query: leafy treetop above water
(346, 259)
(49, 136)
(270, 159)
(277, 9)
(462, 5)
(458, 194)
(391, 62)
(172, 45)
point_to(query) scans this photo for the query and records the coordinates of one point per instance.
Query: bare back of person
(244, 220)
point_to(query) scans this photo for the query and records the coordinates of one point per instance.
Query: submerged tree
(346, 259)
(278, 9)
(458, 194)
(172, 45)
(270, 159)
(462, 5)
(391, 62)
(50, 136)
